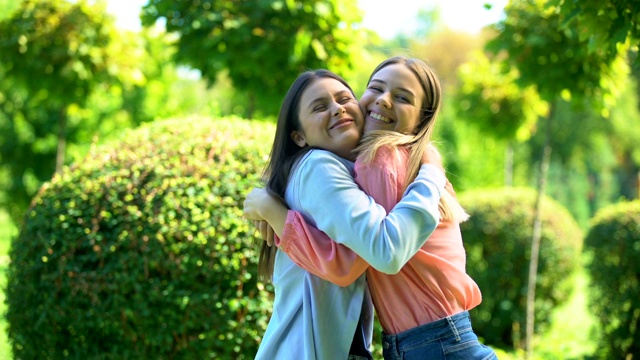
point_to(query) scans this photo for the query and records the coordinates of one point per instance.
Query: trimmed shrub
(141, 251)
(498, 242)
(612, 249)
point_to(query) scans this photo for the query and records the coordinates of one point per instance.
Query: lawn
(573, 331)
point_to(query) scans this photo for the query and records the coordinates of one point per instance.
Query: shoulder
(320, 155)
(321, 160)
(388, 154)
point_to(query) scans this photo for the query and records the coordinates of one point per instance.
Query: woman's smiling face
(392, 100)
(330, 118)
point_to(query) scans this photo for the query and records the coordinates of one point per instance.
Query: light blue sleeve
(324, 188)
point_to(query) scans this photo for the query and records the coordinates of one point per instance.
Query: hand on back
(432, 156)
(255, 204)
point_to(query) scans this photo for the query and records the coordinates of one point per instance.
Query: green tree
(496, 105)
(605, 24)
(136, 82)
(625, 118)
(557, 61)
(52, 55)
(57, 50)
(263, 45)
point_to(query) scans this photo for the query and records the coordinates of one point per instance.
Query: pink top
(433, 284)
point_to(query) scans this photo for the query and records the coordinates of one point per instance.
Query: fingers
(270, 236)
(265, 230)
(256, 201)
(262, 227)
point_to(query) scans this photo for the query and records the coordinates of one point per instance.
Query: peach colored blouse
(433, 284)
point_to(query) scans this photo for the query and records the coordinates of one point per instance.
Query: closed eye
(403, 98)
(345, 100)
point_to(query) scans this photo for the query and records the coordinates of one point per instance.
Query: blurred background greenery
(549, 92)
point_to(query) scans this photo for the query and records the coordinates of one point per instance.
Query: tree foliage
(56, 48)
(553, 58)
(490, 99)
(77, 77)
(52, 56)
(605, 25)
(263, 45)
(446, 50)
(556, 60)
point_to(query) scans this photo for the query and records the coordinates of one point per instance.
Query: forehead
(398, 76)
(323, 87)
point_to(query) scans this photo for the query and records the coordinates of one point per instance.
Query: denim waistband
(449, 326)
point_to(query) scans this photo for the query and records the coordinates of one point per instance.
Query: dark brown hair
(285, 152)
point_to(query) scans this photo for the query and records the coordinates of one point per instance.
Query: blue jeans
(451, 338)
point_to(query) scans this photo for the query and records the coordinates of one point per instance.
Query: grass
(572, 331)
(570, 336)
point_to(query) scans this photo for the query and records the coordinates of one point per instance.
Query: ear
(298, 138)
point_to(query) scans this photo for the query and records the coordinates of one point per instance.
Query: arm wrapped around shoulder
(330, 198)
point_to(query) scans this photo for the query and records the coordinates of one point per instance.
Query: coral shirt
(433, 284)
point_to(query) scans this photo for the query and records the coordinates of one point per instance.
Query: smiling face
(392, 100)
(330, 118)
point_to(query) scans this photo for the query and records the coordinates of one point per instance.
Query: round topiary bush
(141, 251)
(612, 248)
(498, 238)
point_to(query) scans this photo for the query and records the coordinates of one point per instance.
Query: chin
(374, 128)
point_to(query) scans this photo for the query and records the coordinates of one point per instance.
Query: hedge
(612, 249)
(141, 251)
(498, 242)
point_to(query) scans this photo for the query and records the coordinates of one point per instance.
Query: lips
(341, 122)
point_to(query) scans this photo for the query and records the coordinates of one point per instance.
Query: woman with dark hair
(319, 125)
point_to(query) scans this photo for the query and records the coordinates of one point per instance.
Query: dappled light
(131, 130)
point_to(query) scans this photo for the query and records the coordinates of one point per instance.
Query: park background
(544, 92)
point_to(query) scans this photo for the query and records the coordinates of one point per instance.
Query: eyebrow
(321, 98)
(400, 88)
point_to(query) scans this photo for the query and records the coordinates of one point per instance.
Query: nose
(383, 100)
(339, 109)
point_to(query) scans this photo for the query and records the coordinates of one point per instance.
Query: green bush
(498, 242)
(141, 251)
(612, 248)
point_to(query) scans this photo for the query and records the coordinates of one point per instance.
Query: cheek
(408, 122)
(365, 100)
(310, 132)
(358, 114)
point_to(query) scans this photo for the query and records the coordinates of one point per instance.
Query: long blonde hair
(420, 138)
